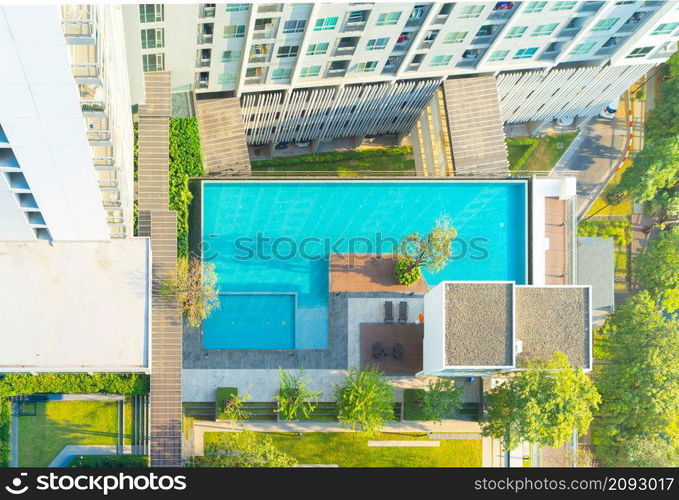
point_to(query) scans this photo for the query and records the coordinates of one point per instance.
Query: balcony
(259, 56)
(269, 8)
(335, 73)
(414, 66)
(354, 26)
(254, 80)
(345, 51)
(205, 38)
(203, 63)
(502, 10)
(426, 44)
(590, 6)
(202, 81)
(265, 29)
(207, 10)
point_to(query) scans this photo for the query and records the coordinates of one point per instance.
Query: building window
(310, 71)
(377, 43)
(231, 55)
(605, 24)
(455, 37)
(294, 26)
(325, 24)
(440, 60)
(534, 7)
(582, 48)
(153, 62)
(356, 16)
(151, 13)
(153, 38)
(388, 18)
(498, 55)
(288, 51)
(366, 67)
(234, 31)
(471, 11)
(316, 49)
(226, 78)
(665, 29)
(281, 74)
(545, 29)
(525, 53)
(563, 5)
(237, 7)
(640, 52)
(516, 32)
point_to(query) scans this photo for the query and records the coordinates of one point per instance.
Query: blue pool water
(270, 242)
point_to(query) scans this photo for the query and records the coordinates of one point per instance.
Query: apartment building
(66, 144)
(322, 70)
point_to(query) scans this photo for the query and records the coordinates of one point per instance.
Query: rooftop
(550, 319)
(596, 267)
(478, 324)
(75, 306)
(408, 335)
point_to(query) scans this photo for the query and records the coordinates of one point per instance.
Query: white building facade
(66, 141)
(267, 53)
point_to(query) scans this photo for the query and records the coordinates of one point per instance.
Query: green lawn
(61, 423)
(350, 449)
(544, 157)
(601, 206)
(386, 161)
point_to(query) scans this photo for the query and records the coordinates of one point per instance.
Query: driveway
(593, 156)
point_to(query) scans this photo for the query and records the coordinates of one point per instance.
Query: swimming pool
(270, 243)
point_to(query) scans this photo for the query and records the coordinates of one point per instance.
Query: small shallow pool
(270, 243)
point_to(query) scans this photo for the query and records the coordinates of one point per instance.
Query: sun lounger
(402, 312)
(388, 311)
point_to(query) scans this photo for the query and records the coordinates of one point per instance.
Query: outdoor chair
(402, 312)
(378, 350)
(398, 351)
(388, 311)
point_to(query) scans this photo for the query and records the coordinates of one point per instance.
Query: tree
(655, 167)
(657, 269)
(431, 252)
(243, 449)
(294, 398)
(541, 405)
(441, 399)
(195, 288)
(365, 400)
(664, 208)
(640, 452)
(638, 378)
(663, 120)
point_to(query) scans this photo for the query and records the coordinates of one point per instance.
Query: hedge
(5, 425)
(335, 156)
(531, 142)
(99, 461)
(223, 394)
(619, 230)
(185, 161)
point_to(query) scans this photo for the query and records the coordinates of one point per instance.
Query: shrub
(295, 399)
(619, 230)
(98, 461)
(335, 156)
(185, 162)
(406, 271)
(231, 405)
(365, 400)
(5, 429)
(243, 449)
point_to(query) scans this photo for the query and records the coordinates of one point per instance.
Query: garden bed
(537, 154)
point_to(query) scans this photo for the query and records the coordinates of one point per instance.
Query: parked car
(565, 121)
(610, 110)
(304, 143)
(282, 145)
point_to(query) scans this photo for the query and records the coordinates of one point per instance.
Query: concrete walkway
(64, 456)
(594, 155)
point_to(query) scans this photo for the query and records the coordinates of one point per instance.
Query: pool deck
(409, 335)
(556, 229)
(368, 273)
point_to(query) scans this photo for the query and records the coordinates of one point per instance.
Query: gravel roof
(478, 324)
(553, 319)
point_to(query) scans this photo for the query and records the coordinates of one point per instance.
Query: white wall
(40, 114)
(434, 347)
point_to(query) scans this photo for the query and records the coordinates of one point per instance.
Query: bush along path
(23, 384)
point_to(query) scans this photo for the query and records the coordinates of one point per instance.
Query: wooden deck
(556, 229)
(222, 136)
(368, 273)
(409, 335)
(159, 223)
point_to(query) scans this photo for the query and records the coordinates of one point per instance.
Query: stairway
(430, 140)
